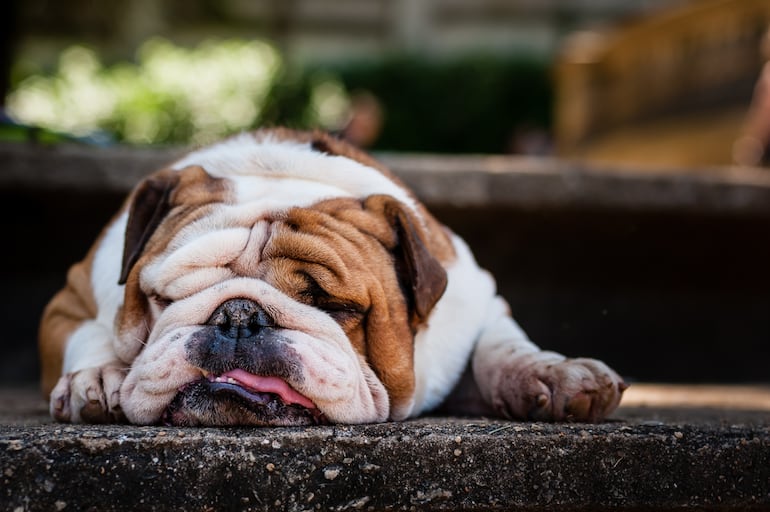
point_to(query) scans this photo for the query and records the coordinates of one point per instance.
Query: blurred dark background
(641, 86)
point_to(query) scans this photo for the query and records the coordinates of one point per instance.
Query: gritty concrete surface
(647, 457)
(464, 181)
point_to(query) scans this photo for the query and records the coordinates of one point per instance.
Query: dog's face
(242, 307)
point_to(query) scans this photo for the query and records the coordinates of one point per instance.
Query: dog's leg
(89, 389)
(81, 373)
(518, 380)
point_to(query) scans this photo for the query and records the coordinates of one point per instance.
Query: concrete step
(439, 180)
(667, 448)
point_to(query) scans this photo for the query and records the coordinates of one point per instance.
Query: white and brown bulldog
(285, 278)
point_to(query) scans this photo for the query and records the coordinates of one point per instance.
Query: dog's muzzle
(246, 366)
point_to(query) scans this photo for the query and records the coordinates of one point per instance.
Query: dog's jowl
(286, 278)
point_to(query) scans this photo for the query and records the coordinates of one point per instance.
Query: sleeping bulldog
(286, 278)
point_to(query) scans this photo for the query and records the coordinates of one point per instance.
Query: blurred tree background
(459, 76)
(171, 94)
(442, 76)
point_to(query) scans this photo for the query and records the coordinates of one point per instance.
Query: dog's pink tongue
(270, 385)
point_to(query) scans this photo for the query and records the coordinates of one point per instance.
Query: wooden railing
(699, 56)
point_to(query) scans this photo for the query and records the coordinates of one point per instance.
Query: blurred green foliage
(170, 95)
(176, 95)
(469, 104)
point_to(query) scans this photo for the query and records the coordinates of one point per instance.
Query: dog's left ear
(419, 270)
(149, 205)
(155, 197)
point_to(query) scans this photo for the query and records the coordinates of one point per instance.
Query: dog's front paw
(91, 395)
(547, 387)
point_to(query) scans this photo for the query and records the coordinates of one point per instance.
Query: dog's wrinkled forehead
(228, 210)
(334, 248)
(262, 174)
(246, 240)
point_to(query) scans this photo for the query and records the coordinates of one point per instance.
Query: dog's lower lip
(252, 396)
(212, 402)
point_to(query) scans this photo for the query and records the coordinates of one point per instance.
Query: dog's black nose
(240, 318)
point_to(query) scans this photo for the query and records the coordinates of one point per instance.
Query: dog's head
(266, 299)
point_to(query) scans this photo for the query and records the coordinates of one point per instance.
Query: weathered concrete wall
(663, 274)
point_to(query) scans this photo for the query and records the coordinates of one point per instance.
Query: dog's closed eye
(161, 302)
(341, 310)
(158, 304)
